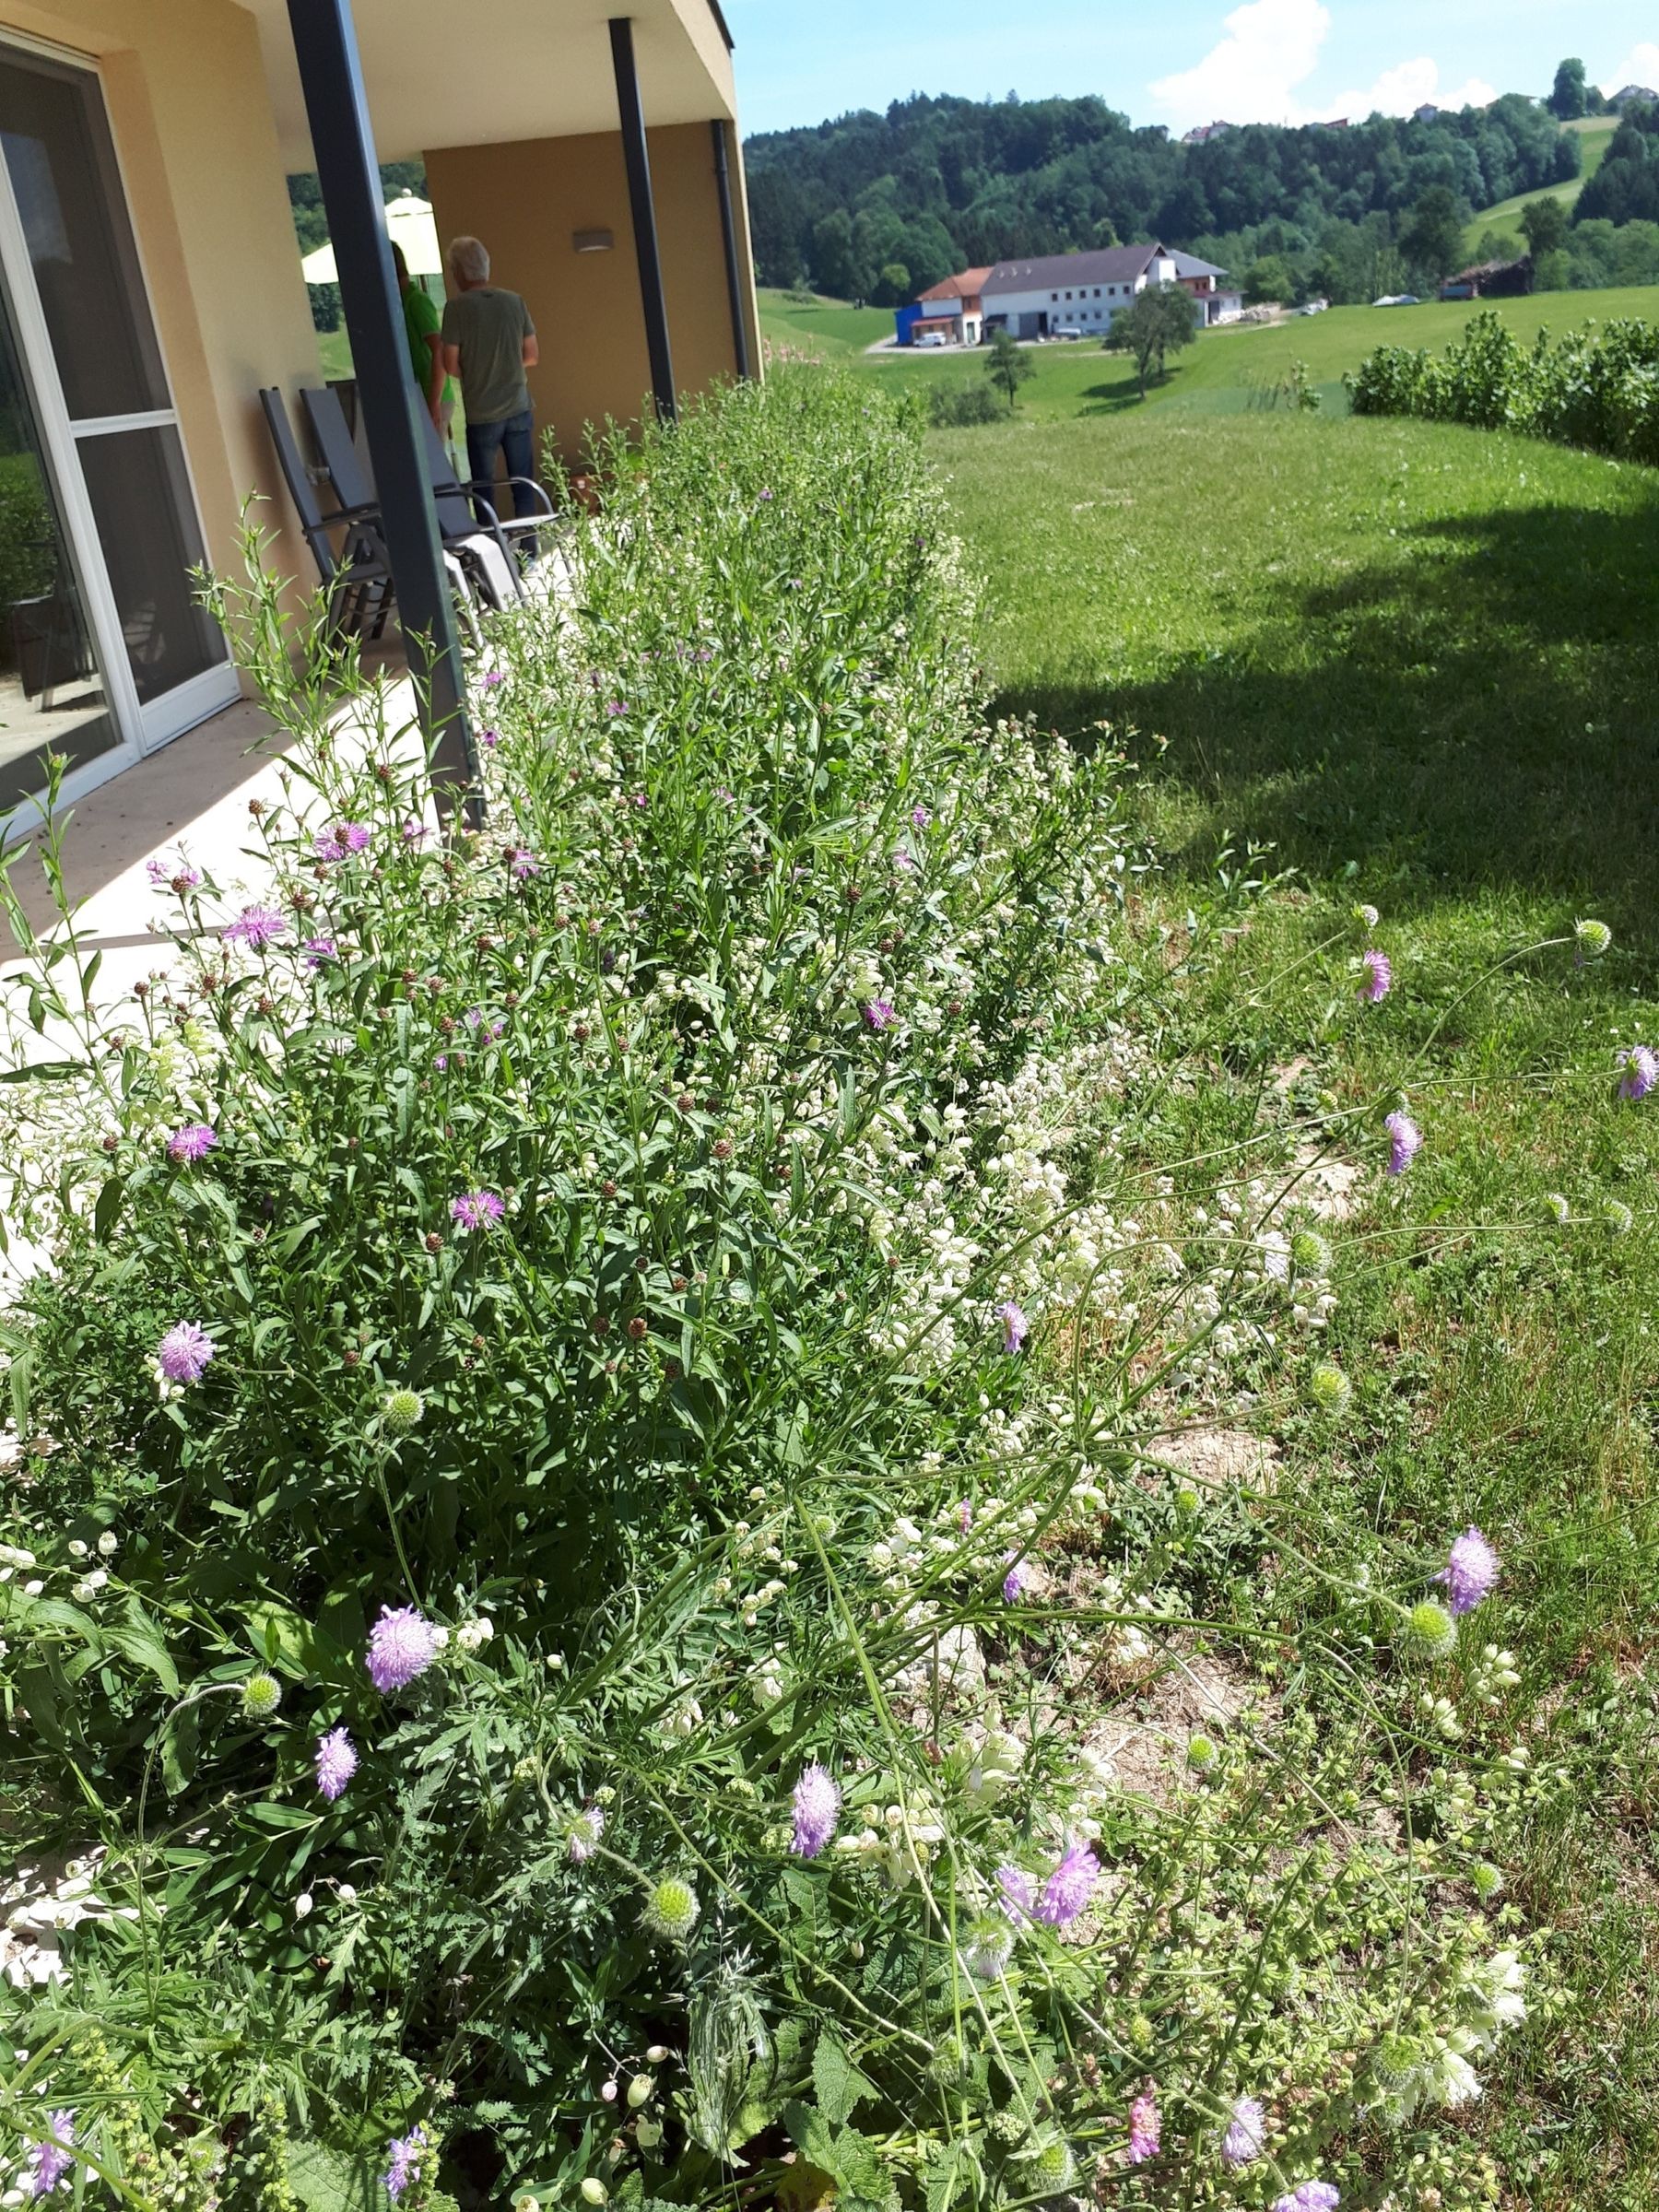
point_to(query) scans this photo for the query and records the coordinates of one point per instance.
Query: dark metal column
(635, 155)
(332, 77)
(728, 231)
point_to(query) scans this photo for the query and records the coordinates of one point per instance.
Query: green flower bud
(1615, 1217)
(1310, 1252)
(1591, 938)
(594, 2191)
(1203, 1751)
(638, 2091)
(1007, 2127)
(261, 1695)
(672, 1910)
(1486, 1880)
(1394, 2062)
(1430, 1632)
(1052, 2169)
(404, 1409)
(1330, 1389)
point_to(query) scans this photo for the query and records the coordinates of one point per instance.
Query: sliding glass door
(95, 414)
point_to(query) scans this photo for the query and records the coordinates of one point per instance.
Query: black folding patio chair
(357, 574)
(481, 547)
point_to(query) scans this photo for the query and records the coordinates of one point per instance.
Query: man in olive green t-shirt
(489, 341)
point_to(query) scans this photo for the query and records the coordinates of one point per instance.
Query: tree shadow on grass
(1481, 713)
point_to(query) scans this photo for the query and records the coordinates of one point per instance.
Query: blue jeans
(512, 437)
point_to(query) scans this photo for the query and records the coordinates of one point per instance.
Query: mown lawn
(1420, 664)
(828, 328)
(1233, 371)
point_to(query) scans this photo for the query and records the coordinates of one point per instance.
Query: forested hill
(938, 184)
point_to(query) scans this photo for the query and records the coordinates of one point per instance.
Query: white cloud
(1411, 85)
(1639, 66)
(1271, 46)
(1256, 73)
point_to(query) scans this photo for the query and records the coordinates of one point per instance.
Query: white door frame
(140, 727)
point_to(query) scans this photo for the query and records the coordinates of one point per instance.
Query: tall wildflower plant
(591, 1555)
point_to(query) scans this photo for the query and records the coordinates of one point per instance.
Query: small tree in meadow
(1544, 226)
(1008, 366)
(1432, 239)
(1161, 322)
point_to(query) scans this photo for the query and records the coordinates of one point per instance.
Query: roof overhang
(490, 72)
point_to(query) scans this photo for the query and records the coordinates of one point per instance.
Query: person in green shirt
(422, 330)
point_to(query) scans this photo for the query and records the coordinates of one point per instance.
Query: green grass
(827, 327)
(333, 350)
(1228, 371)
(1595, 133)
(1420, 663)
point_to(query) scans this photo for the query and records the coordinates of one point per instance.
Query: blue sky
(1183, 62)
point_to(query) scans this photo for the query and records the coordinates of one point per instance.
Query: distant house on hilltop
(1426, 113)
(1633, 95)
(1201, 134)
(1085, 291)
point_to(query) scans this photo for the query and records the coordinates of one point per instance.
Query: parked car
(931, 337)
(1066, 330)
(1397, 299)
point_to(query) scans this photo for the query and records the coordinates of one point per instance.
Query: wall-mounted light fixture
(592, 241)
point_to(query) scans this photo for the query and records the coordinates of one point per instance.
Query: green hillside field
(828, 328)
(1232, 371)
(1596, 133)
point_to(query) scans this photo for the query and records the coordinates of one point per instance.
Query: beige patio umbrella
(410, 225)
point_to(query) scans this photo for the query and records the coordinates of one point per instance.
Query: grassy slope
(1595, 132)
(828, 328)
(1420, 660)
(1223, 369)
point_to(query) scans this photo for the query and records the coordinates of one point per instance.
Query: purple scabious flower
(489, 739)
(476, 1209)
(318, 951)
(337, 1762)
(521, 862)
(879, 1014)
(1376, 976)
(583, 1834)
(1246, 2135)
(190, 1142)
(401, 1644)
(492, 677)
(256, 926)
(1472, 1566)
(413, 832)
(1066, 1892)
(1310, 2196)
(183, 1353)
(1641, 1064)
(1405, 1142)
(52, 2161)
(1018, 1892)
(404, 2153)
(1014, 1582)
(1145, 2129)
(920, 816)
(817, 1802)
(1016, 1327)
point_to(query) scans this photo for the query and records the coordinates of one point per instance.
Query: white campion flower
(473, 1635)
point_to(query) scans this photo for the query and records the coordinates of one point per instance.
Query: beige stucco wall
(525, 200)
(188, 109)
